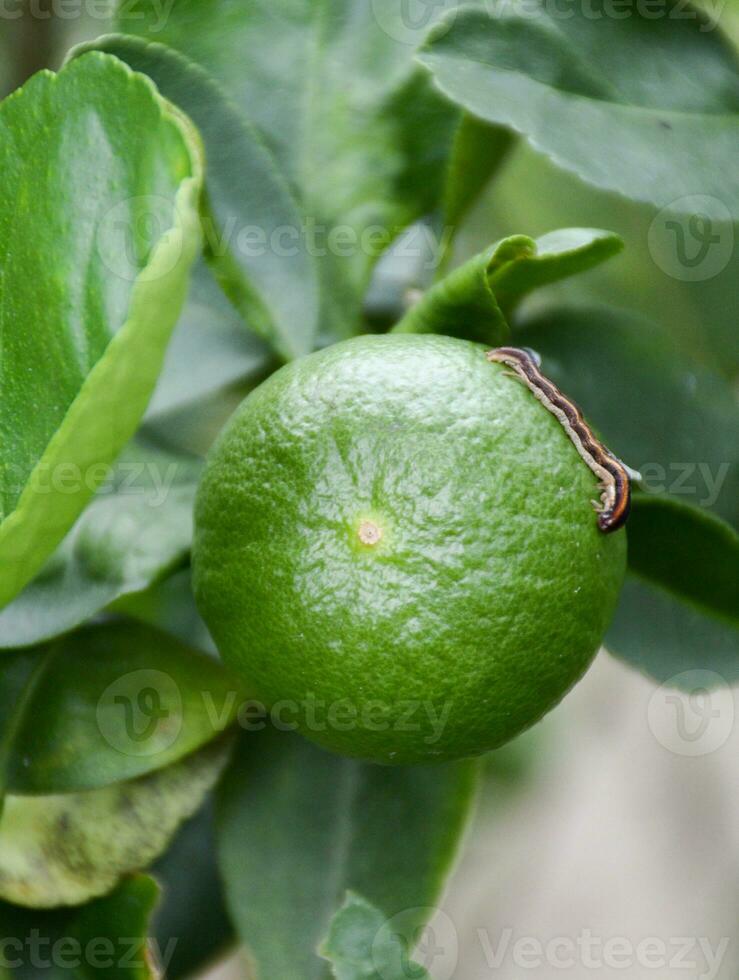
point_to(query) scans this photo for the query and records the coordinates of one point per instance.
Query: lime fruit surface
(396, 548)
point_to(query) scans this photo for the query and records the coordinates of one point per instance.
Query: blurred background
(606, 841)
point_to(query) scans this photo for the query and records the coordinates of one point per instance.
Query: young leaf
(356, 126)
(667, 638)
(463, 304)
(107, 939)
(99, 197)
(475, 300)
(254, 240)
(654, 274)
(361, 945)
(106, 704)
(688, 551)
(67, 849)
(662, 413)
(299, 826)
(554, 256)
(636, 104)
(136, 530)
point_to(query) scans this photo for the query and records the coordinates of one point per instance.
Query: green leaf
(66, 849)
(636, 104)
(478, 152)
(106, 939)
(136, 530)
(106, 704)
(666, 638)
(475, 300)
(655, 407)
(191, 925)
(463, 304)
(209, 351)
(299, 826)
(354, 123)
(650, 275)
(555, 256)
(688, 551)
(125, 912)
(276, 293)
(361, 945)
(169, 605)
(99, 197)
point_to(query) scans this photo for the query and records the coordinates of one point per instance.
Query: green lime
(396, 548)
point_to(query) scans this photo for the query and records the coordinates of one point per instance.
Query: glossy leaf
(66, 849)
(687, 551)
(253, 211)
(299, 826)
(665, 415)
(667, 639)
(475, 300)
(640, 105)
(136, 530)
(209, 351)
(99, 197)
(107, 704)
(354, 123)
(191, 923)
(361, 945)
(106, 939)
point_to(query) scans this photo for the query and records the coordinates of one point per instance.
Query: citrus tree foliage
(193, 200)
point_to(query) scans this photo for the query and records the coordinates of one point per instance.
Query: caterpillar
(614, 478)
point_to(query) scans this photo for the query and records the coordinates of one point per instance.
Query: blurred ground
(598, 849)
(614, 833)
